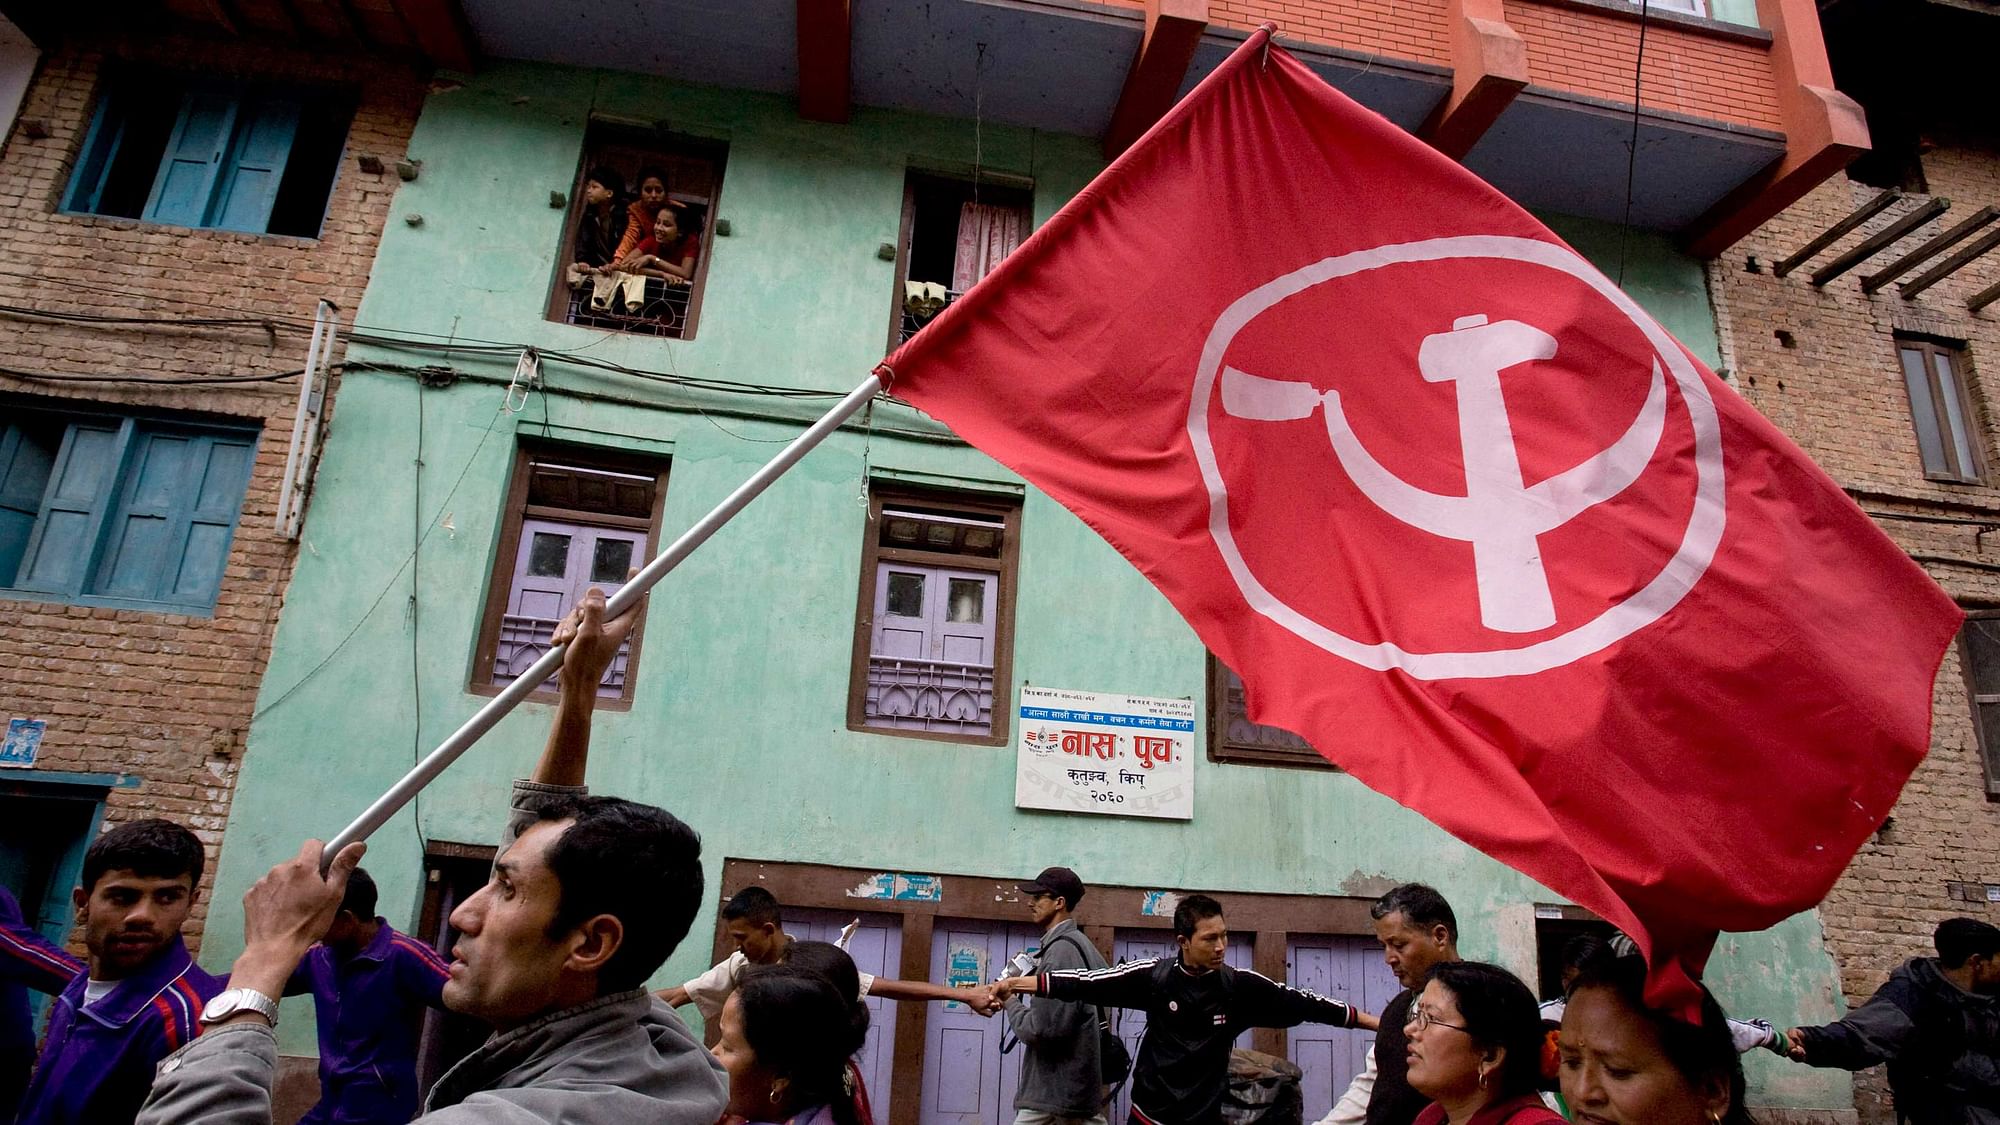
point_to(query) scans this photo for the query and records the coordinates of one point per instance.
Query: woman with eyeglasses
(1623, 1063)
(1476, 1047)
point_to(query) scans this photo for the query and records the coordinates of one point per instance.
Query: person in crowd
(1624, 1063)
(755, 924)
(588, 897)
(833, 963)
(602, 224)
(1418, 931)
(668, 252)
(1475, 1048)
(1062, 1078)
(787, 1036)
(1586, 951)
(641, 213)
(1194, 1004)
(1935, 1022)
(27, 960)
(370, 986)
(142, 995)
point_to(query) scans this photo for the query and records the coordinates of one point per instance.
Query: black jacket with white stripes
(1183, 1063)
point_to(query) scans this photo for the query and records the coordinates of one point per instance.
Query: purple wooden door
(555, 565)
(967, 1081)
(931, 652)
(1138, 945)
(877, 949)
(1349, 969)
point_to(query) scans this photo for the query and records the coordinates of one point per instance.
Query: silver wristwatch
(236, 1001)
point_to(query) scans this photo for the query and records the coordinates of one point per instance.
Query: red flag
(1456, 509)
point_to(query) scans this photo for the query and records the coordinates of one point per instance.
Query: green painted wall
(739, 717)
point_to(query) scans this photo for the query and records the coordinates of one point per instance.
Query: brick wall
(1838, 391)
(1687, 71)
(166, 696)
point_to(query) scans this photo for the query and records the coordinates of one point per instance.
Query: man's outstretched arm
(593, 644)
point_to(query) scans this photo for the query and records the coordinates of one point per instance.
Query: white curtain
(986, 234)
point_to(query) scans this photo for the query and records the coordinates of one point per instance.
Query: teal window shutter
(168, 535)
(188, 170)
(27, 455)
(255, 164)
(58, 554)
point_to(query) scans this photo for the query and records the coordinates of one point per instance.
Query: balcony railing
(929, 695)
(523, 640)
(916, 314)
(662, 312)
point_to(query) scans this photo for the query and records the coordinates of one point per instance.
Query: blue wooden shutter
(188, 169)
(255, 165)
(26, 459)
(169, 534)
(65, 538)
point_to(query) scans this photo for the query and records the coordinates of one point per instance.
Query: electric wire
(1632, 150)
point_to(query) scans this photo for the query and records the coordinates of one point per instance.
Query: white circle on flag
(1647, 605)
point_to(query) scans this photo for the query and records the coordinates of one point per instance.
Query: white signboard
(1121, 755)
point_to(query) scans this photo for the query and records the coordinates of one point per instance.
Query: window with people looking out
(640, 221)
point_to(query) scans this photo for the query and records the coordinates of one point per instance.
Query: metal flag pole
(461, 740)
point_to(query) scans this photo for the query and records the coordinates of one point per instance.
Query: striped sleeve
(31, 959)
(177, 1014)
(1122, 986)
(420, 970)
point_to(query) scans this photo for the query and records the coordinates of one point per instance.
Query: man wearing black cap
(1061, 1079)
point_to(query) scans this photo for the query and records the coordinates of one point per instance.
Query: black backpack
(1113, 1060)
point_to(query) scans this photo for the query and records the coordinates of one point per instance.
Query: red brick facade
(1822, 363)
(167, 697)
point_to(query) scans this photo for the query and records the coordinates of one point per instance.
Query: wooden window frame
(715, 152)
(1989, 755)
(1220, 749)
(1007, 566)
(113, 495)
(906, 229)
(1930, 349)
(500, 576)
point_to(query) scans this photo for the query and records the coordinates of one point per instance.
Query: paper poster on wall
(965, 967)
(23, 742)
(1096, 752)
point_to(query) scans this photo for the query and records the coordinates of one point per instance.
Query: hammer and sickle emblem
(1500, 515)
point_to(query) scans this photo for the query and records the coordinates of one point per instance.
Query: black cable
(1632, 154)
(416, 662)
(140, 380)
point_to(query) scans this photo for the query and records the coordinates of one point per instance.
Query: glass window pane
(968, 601)
(548, 555)
(1982, 643)
(1953, 400)
(906, 594)
(610, 561)
(1923, 411)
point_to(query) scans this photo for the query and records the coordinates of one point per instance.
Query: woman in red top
(668, 253)
(1475, 1048)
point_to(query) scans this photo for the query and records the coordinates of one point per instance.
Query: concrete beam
(826, 59)
(440, 31)
(1489, 62)
(1824, 131)
(1173, 31)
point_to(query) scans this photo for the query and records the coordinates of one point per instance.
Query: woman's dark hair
(1499, 1011)
(1701, 1053)
(802, 1029)
(652, 172)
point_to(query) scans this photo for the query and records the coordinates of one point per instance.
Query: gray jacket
(1060, 1070)
(617, 1059)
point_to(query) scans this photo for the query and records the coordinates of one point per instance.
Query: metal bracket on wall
(300, 451)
